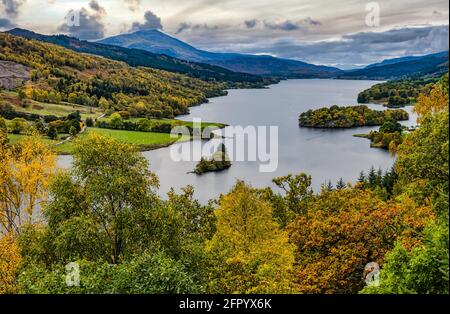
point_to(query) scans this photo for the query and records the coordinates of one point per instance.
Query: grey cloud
(189, 26)
(94, 5)
(91, 26)
(152, 21)
(11, 7)
(6, 23)
(251, 23)
(355, 49)
(284, 26)
(133, 5)
(287, 25)
(310, 21)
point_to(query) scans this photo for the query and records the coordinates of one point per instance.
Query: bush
(52, 133)
(89, 122)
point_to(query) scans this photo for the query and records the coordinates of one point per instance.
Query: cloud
(287, 25)
(90, 25)
(195, 27)
(251, 23)
(133, 5)
(94, 5)
(6, 23)
(310, 21)
(284, 26)
(360, 48)
(11, 7)
(152, 21)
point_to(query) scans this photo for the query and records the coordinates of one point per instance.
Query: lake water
(323, 154)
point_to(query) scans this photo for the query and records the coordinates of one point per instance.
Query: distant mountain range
(137, 57)
(412, 66)
(153, 48)
(158, 42)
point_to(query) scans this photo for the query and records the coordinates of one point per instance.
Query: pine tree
(362, 180)
(341, 184)
(372, 177)
(329, 186)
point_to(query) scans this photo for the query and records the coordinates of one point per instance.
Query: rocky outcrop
(12, 74)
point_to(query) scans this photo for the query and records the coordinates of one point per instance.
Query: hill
(158, 42)
(59, 74)
(138, 57)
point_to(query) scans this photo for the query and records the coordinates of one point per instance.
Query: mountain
(156, 41)
(443, 54)
(137, 57)
(413, 66)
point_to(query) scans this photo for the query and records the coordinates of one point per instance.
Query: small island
(389, 136)
(349, 117)
(218, 162)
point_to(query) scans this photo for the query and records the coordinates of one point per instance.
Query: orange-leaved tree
(344, 230)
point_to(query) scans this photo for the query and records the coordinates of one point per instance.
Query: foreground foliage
(105, 216)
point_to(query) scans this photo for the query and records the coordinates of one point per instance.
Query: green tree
(422, 164)
(297, 191)
(116, 121)
(73, 131)
(423, 270)
(109, 181)
(18, 125)
(52, 133)
(149, 272)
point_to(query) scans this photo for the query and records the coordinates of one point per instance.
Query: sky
(343, 33)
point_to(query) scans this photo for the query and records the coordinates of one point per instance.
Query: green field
(44, 109)
(143, 140)
(15, 138)
(173, 122)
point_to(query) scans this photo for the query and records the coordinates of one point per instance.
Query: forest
(397, 93)
(104, 217)
(349, 117)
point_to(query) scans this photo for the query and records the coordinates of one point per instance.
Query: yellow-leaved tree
(9, 265)
(25, 171)
(434, 102)
(249, 252)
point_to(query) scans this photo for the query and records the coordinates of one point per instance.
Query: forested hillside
(64, 75)
(138, 57)
(397, 93)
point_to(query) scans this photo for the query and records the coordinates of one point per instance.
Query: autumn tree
(25, 173)
(249, 253)
(9, 265)
(422, 168)
(3, 132)
(435, 101)
(423, 158)
(342, 231)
